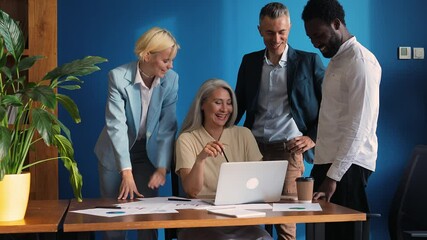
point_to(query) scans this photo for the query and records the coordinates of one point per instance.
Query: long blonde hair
(194, 118)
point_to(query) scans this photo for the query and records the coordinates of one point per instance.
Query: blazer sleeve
(240, 90)
(167, 126)
(116, 119)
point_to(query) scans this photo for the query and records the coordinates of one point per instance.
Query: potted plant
(27, 109)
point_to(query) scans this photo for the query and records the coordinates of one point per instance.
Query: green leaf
(6, 71)
(27, 62)
(72, 79)
(70, 106)
(3, 55)
(2, 113)
(70, 87)
(67, 80)
(2, 168)
(11, 100)
(66, 152)
(42, 122)
(78, 67)
(65, 148)
(43, 94)
(5, 142)
(6, 102)
(12, 35)
(59, 126)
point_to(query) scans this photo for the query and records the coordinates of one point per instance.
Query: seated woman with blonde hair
(208, 133)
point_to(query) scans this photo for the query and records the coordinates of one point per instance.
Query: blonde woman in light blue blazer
(135, 147)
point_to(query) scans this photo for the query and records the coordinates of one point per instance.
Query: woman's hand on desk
(128, 186)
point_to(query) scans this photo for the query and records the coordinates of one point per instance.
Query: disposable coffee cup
(305, 189)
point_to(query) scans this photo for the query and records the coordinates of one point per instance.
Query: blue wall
(214, 35)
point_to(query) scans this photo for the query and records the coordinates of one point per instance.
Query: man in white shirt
(346, 146)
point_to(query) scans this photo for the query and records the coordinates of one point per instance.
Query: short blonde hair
(155, 40)
(195, 118)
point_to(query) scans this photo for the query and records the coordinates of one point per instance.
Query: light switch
(404, 52)
(418, 53)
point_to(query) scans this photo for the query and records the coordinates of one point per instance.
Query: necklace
(144, 74)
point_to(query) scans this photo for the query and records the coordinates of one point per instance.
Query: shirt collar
(225, 136)
(347, 44)
(138, 78)
(283, 59)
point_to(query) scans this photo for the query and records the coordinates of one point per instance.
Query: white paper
(237, 212)
(298, 207)
(109, 212)
(158, 205)
(238, 206)
(163, 203)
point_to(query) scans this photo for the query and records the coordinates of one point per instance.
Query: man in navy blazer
(279, 89)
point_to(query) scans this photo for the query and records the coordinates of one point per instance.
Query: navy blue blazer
(305, 72)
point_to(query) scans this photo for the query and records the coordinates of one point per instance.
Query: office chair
(408, 212)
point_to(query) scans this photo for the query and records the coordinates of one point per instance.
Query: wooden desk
(41, 216)
(75, 222)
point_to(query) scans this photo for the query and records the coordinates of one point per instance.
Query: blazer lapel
(155, 106)
(291, 65)
(134, 95)
(256, 79)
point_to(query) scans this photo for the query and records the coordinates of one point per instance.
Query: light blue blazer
(123, 117)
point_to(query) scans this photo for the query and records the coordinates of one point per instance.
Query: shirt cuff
(334, 173)
(128, 168)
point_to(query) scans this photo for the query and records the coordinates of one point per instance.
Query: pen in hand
(225, 156)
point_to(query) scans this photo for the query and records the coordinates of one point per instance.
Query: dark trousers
(142, 169)
(350, 192)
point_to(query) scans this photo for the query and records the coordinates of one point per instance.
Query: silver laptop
(250, 182)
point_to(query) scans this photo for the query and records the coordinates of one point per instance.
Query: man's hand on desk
(326, 189)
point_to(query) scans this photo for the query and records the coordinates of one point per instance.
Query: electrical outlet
(404, 52)
(418, 53)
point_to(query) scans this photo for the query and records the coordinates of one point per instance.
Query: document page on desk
(114, 212)
(157, 205)
(246, 206)
(299, 207)
(237, 212)
(164, 203)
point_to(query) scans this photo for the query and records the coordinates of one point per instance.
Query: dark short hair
(273, 10)
(326, 10)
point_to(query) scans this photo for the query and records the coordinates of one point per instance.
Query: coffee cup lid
(304, 179)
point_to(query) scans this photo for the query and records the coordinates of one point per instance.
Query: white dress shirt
(349, 111)
(145, 98)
